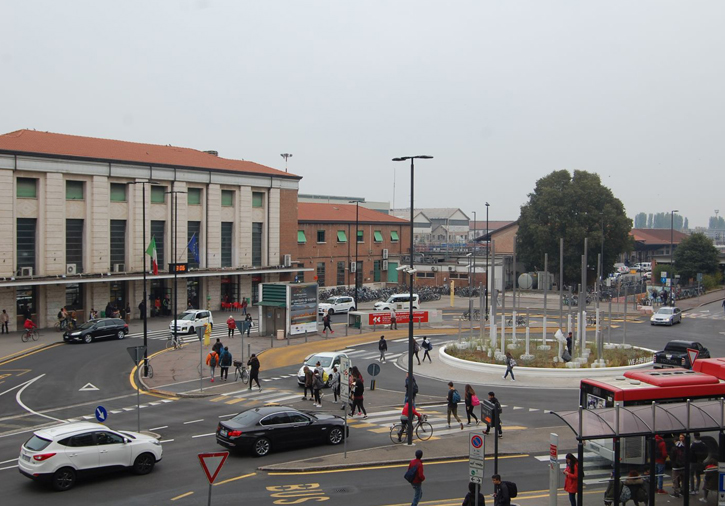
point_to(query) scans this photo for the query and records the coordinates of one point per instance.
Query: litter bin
(280, 335)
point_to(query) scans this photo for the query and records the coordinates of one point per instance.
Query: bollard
(375, 327)
(359, 331)
(287, 339)
(459, 331)
(513, 327)
(305, 335)
(346, 329)
(419, 322)
(249, 350)
(271, 341)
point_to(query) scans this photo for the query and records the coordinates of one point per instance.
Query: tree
(572, 207)
(695, 253)
(640, 220)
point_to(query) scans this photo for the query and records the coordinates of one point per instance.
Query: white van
(398, 301)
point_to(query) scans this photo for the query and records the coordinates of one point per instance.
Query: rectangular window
(360, 236)
(74, 190)
(378, 236)
(158, 229)
(341, 237)
(394, 236)
(301, 239)
(321, 273)
(320, 236)
(257, 244)
(118, 243)
(26, 242)
(158, 194)
(193, 228)
(340, 273)
(73, 298)
(227, 233)
(118, 192)
(227, 198)
(257, 199)
(193, 197)
(74, 244)
(377, 264)
(26, 188)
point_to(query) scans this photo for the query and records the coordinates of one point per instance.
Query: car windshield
(324, 361)
(247, 418)
(36, 443)
(87, 325)
(186, 316)
(665, 310)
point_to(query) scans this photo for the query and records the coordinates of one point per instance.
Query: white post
(554, 468)
(513, 329)
(503, 334)
(544, 332)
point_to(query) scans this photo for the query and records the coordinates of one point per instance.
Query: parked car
(398, 301)
(336, 305)
(666, 315)
(189, 320)
(263, 429)
(327, 361)
(58, 455)
(675, 354)
(97, 329)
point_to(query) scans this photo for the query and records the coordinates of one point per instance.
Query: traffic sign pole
(344, 395)
(554, 468)
(211, 476)
(476, 460)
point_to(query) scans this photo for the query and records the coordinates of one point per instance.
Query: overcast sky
(501, 93)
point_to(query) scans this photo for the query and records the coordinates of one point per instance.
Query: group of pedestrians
(221, 357)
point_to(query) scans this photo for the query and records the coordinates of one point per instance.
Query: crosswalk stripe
(217, 399)
(234, 401)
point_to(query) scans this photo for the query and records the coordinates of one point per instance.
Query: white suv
(59, 454)
(398, 301)
(336, 305)
(187, 321)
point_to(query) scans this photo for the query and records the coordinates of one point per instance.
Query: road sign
(554, 469)
(699, 277)
(403, 316)
(200, 332)
(212, 464)
(663, 280)
(137, 353)
(101, 414)
(476, 456)
(721, 484)
(344, 378)
(487, 411)
(692, 355)
(475, 446)
(373, 369)
(663, 275)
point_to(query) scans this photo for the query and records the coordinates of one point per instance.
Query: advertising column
(303, 308)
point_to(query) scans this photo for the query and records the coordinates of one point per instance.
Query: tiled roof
(342, 213)
(432, 213)
(652, 236)
(32, 142)
(492, 225)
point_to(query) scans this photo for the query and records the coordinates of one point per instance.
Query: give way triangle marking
(212, 463)
(88, 387)
(692, 355)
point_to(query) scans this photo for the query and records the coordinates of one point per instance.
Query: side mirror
(126, 440)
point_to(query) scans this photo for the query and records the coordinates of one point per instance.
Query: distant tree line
(662, 220)
(716, 223)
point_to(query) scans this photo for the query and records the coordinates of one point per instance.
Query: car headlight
(156, 442)
(76, 334)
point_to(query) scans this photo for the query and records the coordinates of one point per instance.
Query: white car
(189, 320)
(327, 361)
(397, 301)
(60, 454)
(666, 316)
(336, 305)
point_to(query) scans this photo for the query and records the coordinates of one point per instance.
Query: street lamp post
(411, 378)
(174, 240)
(488, 244)
(473, 276)
(672, 260)
(357, 231)
(286, 156)
(143, 254)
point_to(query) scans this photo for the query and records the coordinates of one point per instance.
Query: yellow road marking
(23, 355)
(235, 478)
(234, 401)
(132, 378)
(217, 399)
(380, 430)
(523, 496)
(181, 496)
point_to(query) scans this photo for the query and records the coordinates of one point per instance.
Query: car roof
(266, 410)
(58, 431)
(327, 354)
(679, 342)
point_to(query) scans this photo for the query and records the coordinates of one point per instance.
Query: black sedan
(261, 429)
(114, 328)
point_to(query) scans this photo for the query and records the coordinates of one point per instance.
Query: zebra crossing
(164, 334)
(705, 314)
(117, 411)
(375, 354)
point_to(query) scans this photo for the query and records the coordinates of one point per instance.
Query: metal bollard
(249, 350)
(419, 322)
(375, 327)
(346, 329)
(287, 339)
(305, 335)
(271, 341)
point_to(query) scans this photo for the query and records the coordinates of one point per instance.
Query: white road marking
(227, 416)
(6, 461)
(116, 411)
(204, 435)
(9, 467)
(159, 428)
(26, 408)
(166, 441)
(194, 421)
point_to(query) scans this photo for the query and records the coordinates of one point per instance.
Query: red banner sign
(383, 318)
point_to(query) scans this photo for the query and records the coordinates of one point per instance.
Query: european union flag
(194, 247)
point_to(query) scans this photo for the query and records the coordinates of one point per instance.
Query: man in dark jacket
(501, 496)
(677, 458)
(383, 347)
(254, 366)
(698, 454)
(470, 499)
(419, 477)
(492, 398)
(225, 361)
(218, 346)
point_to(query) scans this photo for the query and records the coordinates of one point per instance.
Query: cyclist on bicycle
(404, 420)
(29, 326)
(63, 318)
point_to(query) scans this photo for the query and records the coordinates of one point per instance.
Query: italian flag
(151, 251)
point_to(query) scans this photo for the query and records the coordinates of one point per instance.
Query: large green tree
(695, 253)
(572, 207)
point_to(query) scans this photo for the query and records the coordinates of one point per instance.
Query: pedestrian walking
(4, 319)
(510, 364)
(231, 326)
(677, 458)
(357, 400)
(212, 360)
(711, 478)
(492, 398)
(335, 383)
(142, 310)
(248, 323)
(308, 382)
(415, 388)
(316, 387)
(128, 312)
(660, 459)
(244, 306)
(427, 347)
(416, 350)
(254, 367)
(393, 320)
(453, 399)
(471, 400)
(383, 347)
(326, 323)
(698, 455)
(569, 343)
(415, 476)
(571, 471)
(501, 492)
(225, 361)
(218, 346)
(470, 499)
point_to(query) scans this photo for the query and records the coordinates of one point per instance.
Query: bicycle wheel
(395, 430)
(245, 376)
(35, 335)
(169, 343)
(149, 370)
(24, 337)
(424, 431)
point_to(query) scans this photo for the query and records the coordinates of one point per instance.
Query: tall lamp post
(357, 231)
(672, 260)
(174, 240)
(143, 254)
(473, 276)
(488, 247)
(411, 379)
(286, 156)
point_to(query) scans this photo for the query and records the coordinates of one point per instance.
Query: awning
(341, 237)
(393, 235)
(646, 419)
(378, 236)
(301, 239)
(268, 303)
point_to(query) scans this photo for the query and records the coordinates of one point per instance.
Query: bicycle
(149, 369)
(467, 315)
(240, 372)
(423, 430)
(177, 343)
(63, 325)
(30, 334)
(520, 321)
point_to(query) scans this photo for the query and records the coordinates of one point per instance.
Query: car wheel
(331, 311)
(144, 463)
(192, 330)
(335, 436)
(63, 479)
(351, 309)
(120, 334)
(261, 447)
(88, 339)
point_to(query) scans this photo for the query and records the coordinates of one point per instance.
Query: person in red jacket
(231, 325)
(419, 477)
(660, 458)
(404, 420)
(571, 471)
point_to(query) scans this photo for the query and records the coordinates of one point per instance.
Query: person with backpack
(317, 385)
(225, 361)
(218, 346)
(571, 471)
(471, 400)
(383, 347)
(453, 399)
(470, 499)
(677, 458)
(698, 454)
(212, 360)
(254, 367)
(503, 491)
(414, 475)
(493, 399)
(427, 346)
(416, 350)
(510, 364)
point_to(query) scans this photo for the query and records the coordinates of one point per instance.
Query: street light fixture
(357, 231)
(143, 254)
(412, 271)
(672, 261)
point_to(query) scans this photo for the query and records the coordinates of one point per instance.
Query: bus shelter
(646, 421)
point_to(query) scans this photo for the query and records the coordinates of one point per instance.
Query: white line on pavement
(204, 435)
(194, 421)
(159, 428)
(9, 467)
(26, 408)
